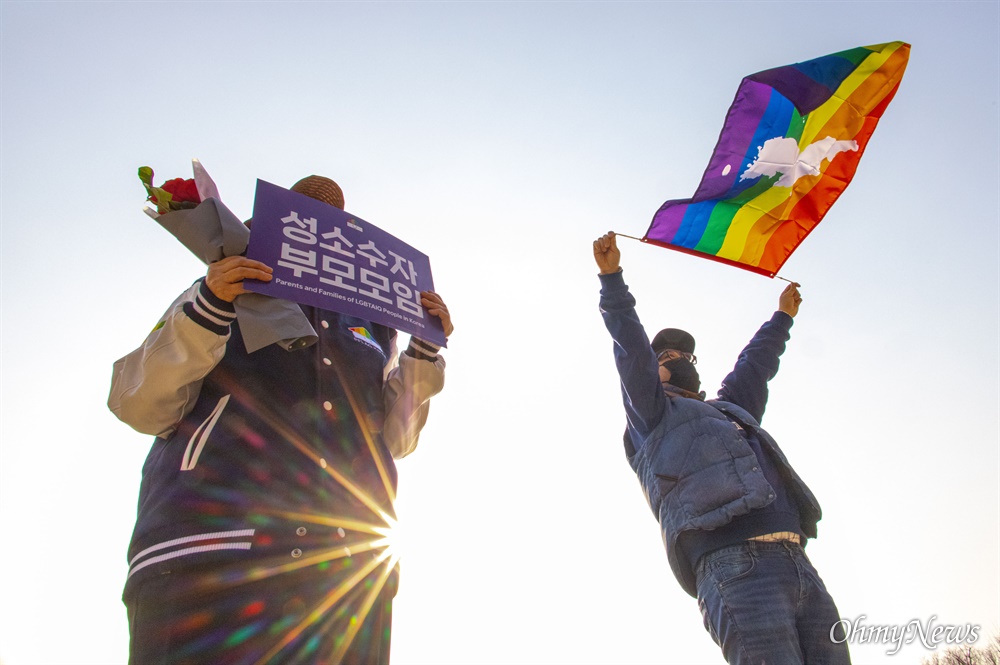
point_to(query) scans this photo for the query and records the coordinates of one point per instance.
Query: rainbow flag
(790, 145)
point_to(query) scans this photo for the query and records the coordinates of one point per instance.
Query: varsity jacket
(275, 455)
(692, 458)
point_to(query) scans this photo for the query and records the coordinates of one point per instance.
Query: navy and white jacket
(692, 458)
(273, 455)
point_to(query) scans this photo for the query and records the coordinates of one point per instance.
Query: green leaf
(163, 198)
(146, 176)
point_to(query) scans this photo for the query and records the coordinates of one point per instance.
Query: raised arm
(410, 386)
(642, 393)
(758, 363)
(156, 385)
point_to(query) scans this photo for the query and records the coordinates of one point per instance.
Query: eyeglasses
(671, 354)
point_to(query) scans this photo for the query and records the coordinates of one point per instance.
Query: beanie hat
(673, 338)
(321, 189)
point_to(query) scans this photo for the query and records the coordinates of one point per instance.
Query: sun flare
(393, 539)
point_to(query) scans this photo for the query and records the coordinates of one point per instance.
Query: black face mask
(683, 374)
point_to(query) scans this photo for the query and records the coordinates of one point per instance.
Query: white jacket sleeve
(407, 393)
(155, 386)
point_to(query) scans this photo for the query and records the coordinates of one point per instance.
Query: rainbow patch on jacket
(362, 335)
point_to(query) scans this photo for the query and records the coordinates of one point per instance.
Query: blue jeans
(765, 603)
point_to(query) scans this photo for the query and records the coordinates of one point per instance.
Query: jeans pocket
(732, 566)
(707, 621)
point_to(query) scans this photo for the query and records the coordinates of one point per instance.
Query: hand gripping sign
(330, 259)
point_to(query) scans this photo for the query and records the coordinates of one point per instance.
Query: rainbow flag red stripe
(789, 147)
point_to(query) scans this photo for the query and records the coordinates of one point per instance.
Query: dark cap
(673, 338)
(321, 189)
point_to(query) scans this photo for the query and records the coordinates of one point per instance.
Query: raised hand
(606, 253)
(789, 300)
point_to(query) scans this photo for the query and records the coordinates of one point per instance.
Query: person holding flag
(733, 513)
(263, 532)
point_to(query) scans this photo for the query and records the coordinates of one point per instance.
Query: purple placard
(327, 258)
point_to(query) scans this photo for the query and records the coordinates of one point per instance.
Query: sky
(502, 138)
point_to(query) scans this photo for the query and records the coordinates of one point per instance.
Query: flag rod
(625, 235)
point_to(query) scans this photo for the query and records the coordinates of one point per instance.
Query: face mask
(683, 374)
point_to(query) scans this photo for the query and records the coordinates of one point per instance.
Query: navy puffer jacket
(695, 467)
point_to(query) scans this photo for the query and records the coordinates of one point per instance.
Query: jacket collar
(674, 391)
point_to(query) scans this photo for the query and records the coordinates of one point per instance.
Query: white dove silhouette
(781, 155)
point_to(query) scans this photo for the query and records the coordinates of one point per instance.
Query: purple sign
(327, 258)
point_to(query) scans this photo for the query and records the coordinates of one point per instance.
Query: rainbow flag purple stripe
(790, 145)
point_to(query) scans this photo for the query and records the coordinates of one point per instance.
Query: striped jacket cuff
(422, 350)
(209, 311)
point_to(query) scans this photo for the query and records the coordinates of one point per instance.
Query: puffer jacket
(694, 465)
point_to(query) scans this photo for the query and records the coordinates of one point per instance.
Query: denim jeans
(765, 603)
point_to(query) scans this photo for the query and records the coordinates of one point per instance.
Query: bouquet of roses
(178, 194)
(193, 213)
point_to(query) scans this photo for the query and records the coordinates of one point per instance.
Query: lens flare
(318, 584)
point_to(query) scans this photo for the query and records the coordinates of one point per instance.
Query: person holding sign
(263, 532)
(733, 513)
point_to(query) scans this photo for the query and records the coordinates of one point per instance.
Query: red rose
(182, 190)
(176, 194)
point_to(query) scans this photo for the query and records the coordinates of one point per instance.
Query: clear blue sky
(501, 139)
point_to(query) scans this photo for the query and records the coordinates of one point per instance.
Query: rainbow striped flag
(790, 145)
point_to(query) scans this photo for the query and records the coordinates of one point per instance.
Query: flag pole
(625, 235)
